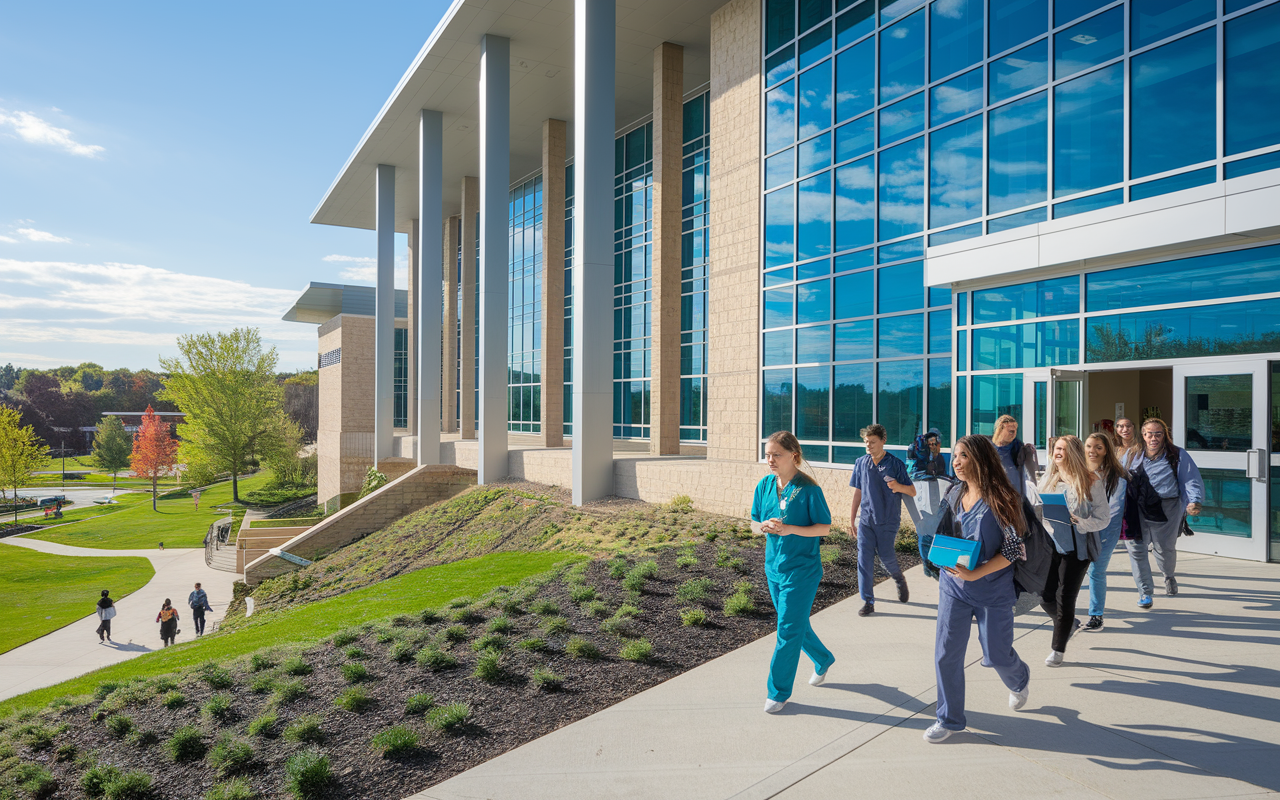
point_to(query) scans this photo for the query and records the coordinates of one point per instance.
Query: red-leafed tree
(155, 452)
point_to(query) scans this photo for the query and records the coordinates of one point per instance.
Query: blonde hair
(1075, 471)
(1111, 470)
(1001, 421)
(1164, 426)
(788, 441)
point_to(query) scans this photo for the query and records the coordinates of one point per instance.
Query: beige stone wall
(733, 324)
(467, 350)
(554, 141)
(668, 144)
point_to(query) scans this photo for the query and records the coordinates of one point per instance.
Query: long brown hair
(788, 441)
(1127, 449)
(987, 473)
(1075, 472)
(1164, 426)
(1111, 470)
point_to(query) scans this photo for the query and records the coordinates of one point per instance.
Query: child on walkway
(878, 478)
(168, 619)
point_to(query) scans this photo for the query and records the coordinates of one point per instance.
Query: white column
(593, 127)
(428, 302)
(495, 179)
(384, 314)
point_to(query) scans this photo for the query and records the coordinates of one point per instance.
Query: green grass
(40, 592)
(83, 511)
(312, 622)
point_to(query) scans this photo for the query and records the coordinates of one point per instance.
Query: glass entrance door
(1221, 416)
(1057, 399)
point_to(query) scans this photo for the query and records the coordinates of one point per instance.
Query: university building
(645, 235)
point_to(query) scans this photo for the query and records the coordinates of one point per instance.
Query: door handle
(1256, 465)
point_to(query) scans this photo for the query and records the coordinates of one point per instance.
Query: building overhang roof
(445, 77)
(321, 302)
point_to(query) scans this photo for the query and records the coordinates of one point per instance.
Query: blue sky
(159, 163)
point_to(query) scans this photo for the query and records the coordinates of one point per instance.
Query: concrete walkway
(74, 650)
(1182, 701)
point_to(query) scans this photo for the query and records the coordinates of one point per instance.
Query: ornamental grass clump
(345, 637)
(501, 624)
(174, 699)
(533, 645)
(218, 708)
(419, 704)
(546, 680)
(401, 652)
(582, 594)
(186, 744)
(216, 677)
(579, 647)
(693, 617)
(739, 602)
(95, 779)
(694, 590)
(398, 740)
(132, 785)
(234, 789)
(295, 666)
(356, 700)
(454, 634)
(230, 755)
(264, 725)
(489, 667)
(640, 650)
(305, 729)
(355, 673)
(490, 641)
(119, 725)
(449, 717)
(289, 691)
(553, 625)
(261, 661)
(308, 774)
(435, 659)
(262, 684)
(544, 607)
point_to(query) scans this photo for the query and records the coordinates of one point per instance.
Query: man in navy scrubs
(878, 478)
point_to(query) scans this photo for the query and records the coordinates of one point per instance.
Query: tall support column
(411, 352)
(449, 378)
(594, 45)
(495, 182)
(668, 200)
(554, 135)
(467, 368)
(430, 247)
(384, 314)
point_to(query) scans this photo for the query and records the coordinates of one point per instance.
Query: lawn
(309, 622)
(40, 592)
(77, 512)
(176, 522)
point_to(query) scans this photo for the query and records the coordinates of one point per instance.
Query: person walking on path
(1164, 487)
(1019, 460)
(1105, 464)
(1075, 545)
(791, 511)
(106, 611)
(168, 619)
(199, 603)
(987, 510)
(878, 478)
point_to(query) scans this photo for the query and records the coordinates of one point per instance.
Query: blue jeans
(873, 539)
(995, 632)
(1098, 569)
(793, 602)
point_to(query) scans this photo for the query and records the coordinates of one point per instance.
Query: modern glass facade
(632, 282)
(568, 300)
(400, 379)
(694, 260)
(524, 308)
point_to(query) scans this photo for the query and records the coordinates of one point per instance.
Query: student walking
(878, 478)
(168, 619)
(199, 603)
(790, 509)
(1129, 443)
(1106, 465)
(1074, 545)
(106, 612)
(988, 510)
(1018, 459)
(1164, 487)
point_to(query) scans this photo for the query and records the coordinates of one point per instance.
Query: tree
(112, 447)
(21, 452)
(226, 384)
(154, 451)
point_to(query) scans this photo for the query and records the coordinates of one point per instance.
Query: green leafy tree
(112, 447)
(21, 452)
(226, 384)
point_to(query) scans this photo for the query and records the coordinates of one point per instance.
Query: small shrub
(454, 633)
(695, 590)
(419, 704)
(460, 602)
(260, 661)
(627, 610)
(165, 683)
(533, 645)
(37, 736)
(295, 666)
(618, 568)
(596, 608)
(739, 602)
(235, 789)
(829, 553)
(262, 684)
(401, 652)
(684, 562)
(143, 738)
(711, 536)
(355, 653)
(398, 740)
(501, 624)
(739, 566)
(647, 568)
(355, 673)
(693, 617)
(133, 785)
(489, 667)
(305, 729)
(356, 700)
(582, 594)
(34, 779)
(217, 677)
(264, 725)
(119, 725)
(403, 621)
(435, 659)
(555, 625)
(634, 581)
(103, 690)
(544, 607)
(186, 744)
(218, 707)
(637, 650)
(308, 774)
(448, 717)
(723, 556)
(345, 637)
(429, 616)
(289, 691)
(65, 752)
(95, 779)
(230, 756)
(618, 626)
(905, 541)
(490, 641)
(546, 680)
(581, 648)
(467, 616)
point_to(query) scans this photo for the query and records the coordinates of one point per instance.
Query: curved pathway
(74, 650)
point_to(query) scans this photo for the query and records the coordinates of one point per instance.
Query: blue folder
(948, 551)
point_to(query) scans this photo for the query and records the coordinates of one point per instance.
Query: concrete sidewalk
(74, 650)
(1182, 701)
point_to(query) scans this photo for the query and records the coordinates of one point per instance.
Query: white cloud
(364, 269)
(34, 235)
(34, 130)
(8, 240)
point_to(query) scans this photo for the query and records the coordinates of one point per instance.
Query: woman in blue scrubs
(987, 509)
(791, 511)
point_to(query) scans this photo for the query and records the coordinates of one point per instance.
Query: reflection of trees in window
(1109, 341)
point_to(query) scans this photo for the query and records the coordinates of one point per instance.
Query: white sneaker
(774, 706)
(1054, 659)
(1019, 699)
(937, 733)
(819, 678)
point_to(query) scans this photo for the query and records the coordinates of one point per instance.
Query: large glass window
(993, 397)
(777, 401)
(694, 263)
(1219, 412)
(1173, 100)
(902, 49)
(940, 398)
(780, 116)
(1217, 330)
(855, 204)
(901, 287)
(815, 217)
(1153, 20)
(1039, 344)
(814, 113)
(955, 36)
(902, 119)
(1228, 503)
(1239, 272)
(902, 190)
(955, 173)
(854, 295)
(1017, 171)
(940, 331)
(400, 379)
(1016, 21)
(855, 79)
(1251, 91)
(855, 341)
(813, 403)
(779, 24)
(1089, 43)
(1045, 298)
(813, 301)
(900, 399)
(780, 227)
(1088, 131)
(524, 307)
(1020, 71)
(851, 409)
(852, 26)
(957, 97)
(901, 336)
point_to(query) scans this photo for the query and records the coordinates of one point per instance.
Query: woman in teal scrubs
(790, 510)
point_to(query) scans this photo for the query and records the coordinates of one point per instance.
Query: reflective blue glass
(1235, 5)
(780, 116)
(940, 331)
(779, 169)
(1173, 183)
(856, 80)
(815, 216)
(813, 269)
(858, 260)
(901, 287)
(900, 399)
(1251, 91)
(939, 296)
(1037, 344)
(957, 97)
(940, 398)
(962, 342)
(1153, 20)
(855, 138)
(813, 301)
(1047, 298)
(1088, 131)
(779, 23)
(781, 64)
(1248, 166)
(901, 336)
(778, 348)
(779, 227)
(812, 12)
(1066, 10)
(1088, 43)
(1018, 154)
(813, 344)
(892, 9)
(993, 397)
(815, 100)
(815, 46)
(1091, 203)
(854, 340)
(902, 119)
(779, 276)
(1020, 71)
(1016, 21)
(962, 407)
(902, 49)
(813, 403)
(1018, 220)
(851, 405)
(1221, 330)
(1173, 97)
(910, 248)
(1239, 272)
(955, 234)
(955, 36)
(857, 23)
(855, 204)
(815, 154)
(779, 307)
(776, 414)
(854, 295)
(962, 308)
(902, 189)
(955, 173)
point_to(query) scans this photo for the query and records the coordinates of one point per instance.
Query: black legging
(1066, 573)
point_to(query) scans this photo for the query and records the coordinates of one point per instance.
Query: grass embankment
(40, 593)
(293, 522)
(93, 475)
(313, 621)
(79, 512)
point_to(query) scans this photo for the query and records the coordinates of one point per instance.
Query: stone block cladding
(668, 139)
